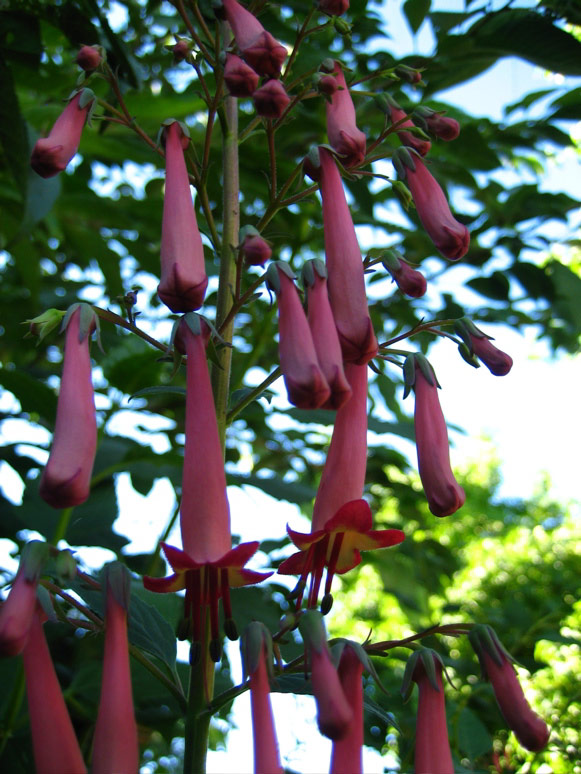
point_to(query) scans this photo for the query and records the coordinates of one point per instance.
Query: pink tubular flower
(333, 7)
(417, 143)
(256, 647)
(451, 238)
(476, 342)
(346, 754)
(445, 495)
(531, 730)
(344, 136)
(54, 743)
(51, 154)
(66, 479)
(115, 744)
(305, 382)
(271, 99)
(208, 566)
(258, 47)
(408, 280)
(17, 611)
(183, 273)
(239, 77)
(432, 754)
(346, 281)
(441, 126)
(334, 715)
(325, 336)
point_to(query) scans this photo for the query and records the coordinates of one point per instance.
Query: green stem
(255, 393)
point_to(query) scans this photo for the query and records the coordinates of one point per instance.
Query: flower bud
(255, 248)
(89, 58)
(333, 7)
(239, 77)
(271, 99)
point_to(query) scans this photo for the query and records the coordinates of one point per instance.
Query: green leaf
(291, 491)
(13, 138)
(415, 12)
(473, 737)
(34, 397)
(496, 286)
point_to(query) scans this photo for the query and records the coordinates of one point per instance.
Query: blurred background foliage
(94, 234)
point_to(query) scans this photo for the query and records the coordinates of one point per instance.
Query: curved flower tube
(66, 479)
(51, 154)
(54, 743)
(344, 136)
(258, 47)
(183, 271)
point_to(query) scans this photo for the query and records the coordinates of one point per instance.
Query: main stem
(201, 688)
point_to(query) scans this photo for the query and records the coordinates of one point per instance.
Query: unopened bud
(46, 322)
(408, 74)
(90, 57)
(66, 566)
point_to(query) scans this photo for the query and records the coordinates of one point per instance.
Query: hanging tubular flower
(398, 116)
(239, 77)
(115, 744)
(255, 248)
(305, 383)
(408, 280)
(51, 154)
(449, 236)
(208, 566)
(324, 332)
(54, 743)
(432, 754)
(256, 650)
(334, 715)
(476, 342)
(346, 753)
(441, 126)
(17, 612)
(66, 479)
(183, 272)
(258, 47)
(445, 495)
(346, 281)
(496, 664)
(342, 522)
(344, 136)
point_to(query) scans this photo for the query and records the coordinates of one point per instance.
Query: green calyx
(272, 275)
(34, 557)
(311, 270)
(413, 361)
(391, 260)
(117, 580)
(403, 160)
(428, 658)
(160, 139)
(88, 323)
(312, 629)
(337, 650)
(484, 639)
(66, 566)
(44, 324)
(253, 639)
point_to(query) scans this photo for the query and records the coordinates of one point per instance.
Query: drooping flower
(256, 649)
(495, 662)
(441, 126)
(89, 57)
(66, 479)
(54, 743)
(183, 272)
(346, 281)
(305, 382)
(255, 248)
(258, 47)
(449, 236)
(342, 522)
(325, 336)
(271, 99)
(115, 744)
(334, 715)
(17, 612)
(432, 753)
(419, 144)
(208, 566)
(239, 77)
(445, 496)
(346, 757)
(51, 154)
(479, 344)
(344, 136)
(408, 280)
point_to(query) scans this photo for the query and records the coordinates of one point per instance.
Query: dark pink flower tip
(258, 47)
(16, 615)
(88, 58)
(530, 729)
(239, 77)
(333, 7)
(409, 281)
(346, 757)
(497, 361)
(256, 250)
(344, 136)
(417, 143)
(449, 236)
(334, 715)
(66, 479)
(446, 129)
(266, 756)
(52, 154)
(271, 99)
(327, 84)
(432, 753)
(445, 496)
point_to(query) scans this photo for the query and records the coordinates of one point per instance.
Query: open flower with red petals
(305, 382)
(344, 135)
(51, 154)
(256, 649)
(115, 744)
(54, 743)
(495, 661)
(66, 479)
(325, 336)
(183, 271)
(445, 496)
(449, 236)
(258, 47)
(477, 343)
(208, 565)
(17, 611)
(432, 753)
(346, 281)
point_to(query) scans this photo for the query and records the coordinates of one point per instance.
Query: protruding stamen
(197, 604)
(215, 650)
(332, 564)
(317, 574)
(195, 652)
(326, 604)
(213, 603)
